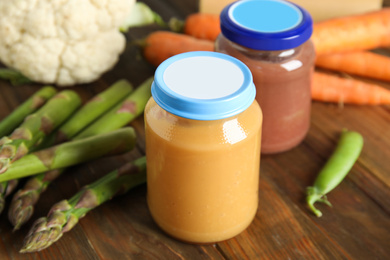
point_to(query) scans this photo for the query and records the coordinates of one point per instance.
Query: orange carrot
(344, 34)
(353, 33)
(331, 88)
(363, 63)
(349, 33)
(202, 26)
(160, 45)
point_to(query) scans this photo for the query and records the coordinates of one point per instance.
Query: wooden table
(356, 227)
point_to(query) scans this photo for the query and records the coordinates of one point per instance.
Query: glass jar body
(203, 176)
(283, 90)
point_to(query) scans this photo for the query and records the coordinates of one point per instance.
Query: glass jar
(272, 37)
(203, 136)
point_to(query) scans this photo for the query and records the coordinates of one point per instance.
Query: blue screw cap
(266, 24)
(203, 86)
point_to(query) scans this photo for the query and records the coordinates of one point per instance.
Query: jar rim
(266, 24)
(203, 85)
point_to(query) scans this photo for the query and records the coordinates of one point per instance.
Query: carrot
(160, 45)
(344, 34)
(353, 33)
(331, 88)
(362, 63)
(202, 26)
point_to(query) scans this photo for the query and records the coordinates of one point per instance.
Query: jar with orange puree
(203, 136)
(272, 37)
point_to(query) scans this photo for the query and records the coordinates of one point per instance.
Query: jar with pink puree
(272, 37)
(203, 138)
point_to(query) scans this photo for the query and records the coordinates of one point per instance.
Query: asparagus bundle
(22, 205)
(84, 116)
(13, 120)
(64, 215)
(71, 153)
(36, 126)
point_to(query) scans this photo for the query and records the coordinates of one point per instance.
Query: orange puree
(203, 176)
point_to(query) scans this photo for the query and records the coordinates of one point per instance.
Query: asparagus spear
(15, 77)
(36, 126)
(5, 189)
(64, 215)
(121, 114)
(71, 153)
(22, 205)
(13, 120)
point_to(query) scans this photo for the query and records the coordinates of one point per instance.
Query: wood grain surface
(356, 227)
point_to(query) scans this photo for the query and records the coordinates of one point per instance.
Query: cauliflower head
(62, 42)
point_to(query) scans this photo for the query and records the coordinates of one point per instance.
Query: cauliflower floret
(62, 42)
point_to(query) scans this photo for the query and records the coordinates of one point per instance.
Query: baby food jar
(203, 136)
(272, 37)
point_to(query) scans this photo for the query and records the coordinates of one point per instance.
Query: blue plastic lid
(266, 24)
(203, 85)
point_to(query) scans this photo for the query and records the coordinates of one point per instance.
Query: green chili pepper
(336, 168)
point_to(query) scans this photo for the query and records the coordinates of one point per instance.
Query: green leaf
(141, 15)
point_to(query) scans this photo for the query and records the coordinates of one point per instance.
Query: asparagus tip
(4, 162)
(41, 236)
(19, 217)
